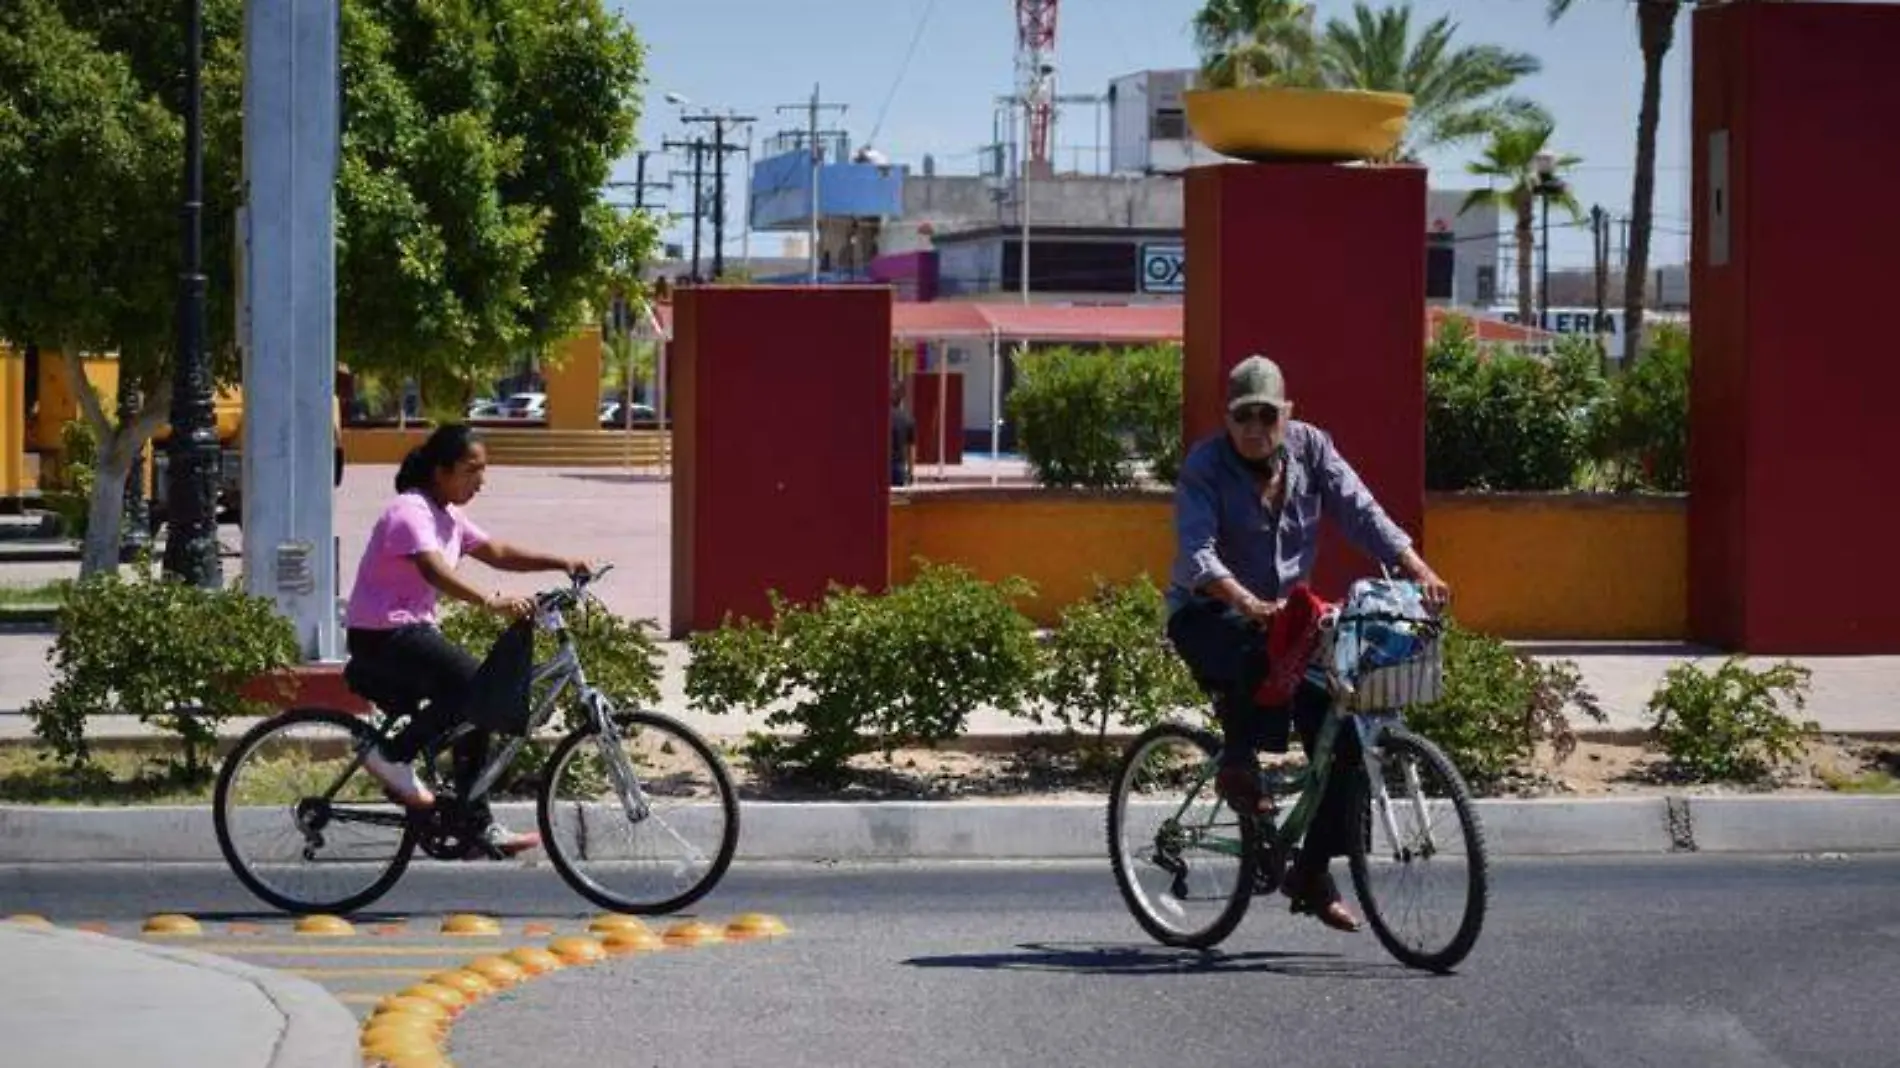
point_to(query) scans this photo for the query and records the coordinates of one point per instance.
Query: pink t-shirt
(390, 591)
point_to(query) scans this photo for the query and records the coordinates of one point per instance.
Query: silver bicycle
(637, 812)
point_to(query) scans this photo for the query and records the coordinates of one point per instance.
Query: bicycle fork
(1371, 731)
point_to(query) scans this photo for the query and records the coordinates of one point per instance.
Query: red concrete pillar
(926, 390)
(1791, 509)
(782, 433)
(1322, 269)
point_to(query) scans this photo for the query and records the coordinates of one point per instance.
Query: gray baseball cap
(1255, 380)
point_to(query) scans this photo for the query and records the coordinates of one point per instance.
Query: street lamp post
(191, 551)
(1548, 186)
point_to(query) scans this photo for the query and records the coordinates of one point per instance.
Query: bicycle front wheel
(1420, 868)
(1184, 860)
(299, 826)
(667, 849)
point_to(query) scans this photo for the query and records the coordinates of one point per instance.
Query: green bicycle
(1188, 865)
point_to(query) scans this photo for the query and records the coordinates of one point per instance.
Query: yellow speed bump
(29, 920)
(419, 1059)
(388, 1045)
(693, 933)
(606, 925)
(466, 926)
(755, 925)
(173, 925)
(447, 997)
(535, 961)
(503, 973)
(325, 927)
(397, 1023)
(619, 943)
(470, 984)
(407, 1005)
(578, 950)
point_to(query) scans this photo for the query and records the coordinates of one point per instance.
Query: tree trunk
(1657, 29)
(1526, 251)
(117, 446)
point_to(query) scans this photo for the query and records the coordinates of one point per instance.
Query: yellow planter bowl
(1329, 125)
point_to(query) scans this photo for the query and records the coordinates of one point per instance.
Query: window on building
(1487, 287)
(1441, 262)
(1170, 124)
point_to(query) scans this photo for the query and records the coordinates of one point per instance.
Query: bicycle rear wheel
(1184, 861)
(288, 843)
(658, 862)
(1439, 845)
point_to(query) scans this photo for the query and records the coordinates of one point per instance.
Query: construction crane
(1035, 76)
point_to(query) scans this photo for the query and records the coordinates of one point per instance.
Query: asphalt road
(1595, 963)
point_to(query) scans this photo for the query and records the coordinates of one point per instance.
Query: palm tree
(1656, 31)
(1521, 169)
(1257, 42)
(1455, 91)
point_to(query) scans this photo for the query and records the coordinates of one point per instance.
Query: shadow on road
(1094, 959)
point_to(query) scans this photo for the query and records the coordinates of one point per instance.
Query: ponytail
(442, 449)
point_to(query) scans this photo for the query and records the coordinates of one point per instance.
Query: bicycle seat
(387, 688)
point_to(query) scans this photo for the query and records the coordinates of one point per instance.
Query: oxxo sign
(1163, 269)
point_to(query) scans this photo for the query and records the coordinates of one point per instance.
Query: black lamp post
(1548, 186)
(191, 550)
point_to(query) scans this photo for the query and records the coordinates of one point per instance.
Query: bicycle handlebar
(573, 593)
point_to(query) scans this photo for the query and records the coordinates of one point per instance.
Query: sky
(752, 57)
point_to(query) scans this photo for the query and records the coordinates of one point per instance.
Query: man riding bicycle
(1247, 516)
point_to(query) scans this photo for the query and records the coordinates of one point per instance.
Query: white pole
(943, 410)
(996, 403)
(745, 240)
(1028, 120)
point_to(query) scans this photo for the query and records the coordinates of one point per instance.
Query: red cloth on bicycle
(1291, 637)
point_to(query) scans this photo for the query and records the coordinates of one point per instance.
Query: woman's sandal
(1319, 896)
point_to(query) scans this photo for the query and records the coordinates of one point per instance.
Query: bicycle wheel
(284, 840)
(1421, 789)
(658, 862)
(1184, 861)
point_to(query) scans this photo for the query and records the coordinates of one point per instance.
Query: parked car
(525, 406)
(618, 414)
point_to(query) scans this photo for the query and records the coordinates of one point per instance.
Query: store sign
(1163, 269)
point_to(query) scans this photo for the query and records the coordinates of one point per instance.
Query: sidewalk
(69, 998)
(1848, 695)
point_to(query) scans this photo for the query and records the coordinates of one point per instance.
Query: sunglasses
(1264, 414)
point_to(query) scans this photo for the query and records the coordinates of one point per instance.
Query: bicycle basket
(1388, 648)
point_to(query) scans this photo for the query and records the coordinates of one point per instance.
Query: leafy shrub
(1085, 417)
(1728, 726)
(1498, 704)
(620, 655)
(1067, 409)
(858, 673)
(1110, 659)
(68, 488)
(172, 654)
(1502, 421)
(1640, 434)
(1150, 387)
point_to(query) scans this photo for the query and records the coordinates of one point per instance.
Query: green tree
(1511, 161)
(1458, 92)
(471, 227)
(1656, 33)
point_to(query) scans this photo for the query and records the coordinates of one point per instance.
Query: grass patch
(30, 776)
(1870, 782)
(45, 594)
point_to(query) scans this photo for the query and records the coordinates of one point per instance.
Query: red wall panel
(924, 393)
(1321, 269)
(782, 472)
(1791, 517)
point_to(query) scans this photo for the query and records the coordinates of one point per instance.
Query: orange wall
(1534, 566)
(379, 446)
(574, 383)
(58, 405)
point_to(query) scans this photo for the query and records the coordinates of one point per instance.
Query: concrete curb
(317, 1032)
(1058, 830)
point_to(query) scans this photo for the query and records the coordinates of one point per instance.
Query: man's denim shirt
(1223, 530)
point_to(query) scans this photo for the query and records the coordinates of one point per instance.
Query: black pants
(1227, 654)
(434, 669)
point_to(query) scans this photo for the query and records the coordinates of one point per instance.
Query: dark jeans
(1227, 654)
(432, 668)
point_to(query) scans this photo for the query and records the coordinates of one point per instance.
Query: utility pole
(640, 185)
(1600, 244)
(811, 110)
(698, 147)
(719, 149)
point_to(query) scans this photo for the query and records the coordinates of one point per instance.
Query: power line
(902, 70)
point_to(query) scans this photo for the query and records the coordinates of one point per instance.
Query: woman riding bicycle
(393, 631)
